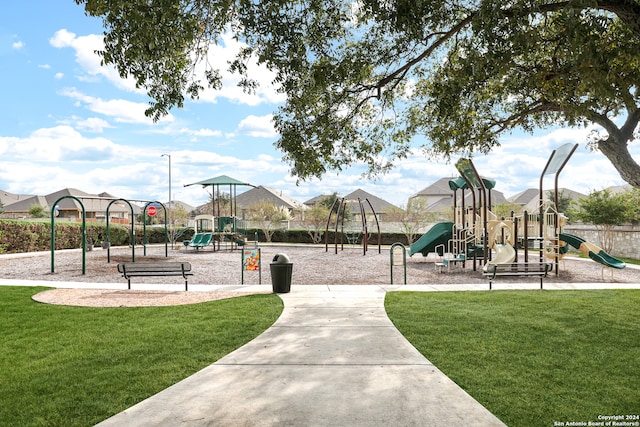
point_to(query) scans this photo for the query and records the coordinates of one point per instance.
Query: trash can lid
(281, 259)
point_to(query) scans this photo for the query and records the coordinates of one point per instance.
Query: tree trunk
(616, 150)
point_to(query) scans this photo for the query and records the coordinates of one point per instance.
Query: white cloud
(85, 47)
(219, 57)
(174, 128)
(120, 109)
(202, 132)
(58, 144)
(258, 127)
(50, 159)
(93, 124)
(17, 45)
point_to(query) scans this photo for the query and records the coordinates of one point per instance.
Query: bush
(17, 236)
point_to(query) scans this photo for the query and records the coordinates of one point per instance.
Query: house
(380, 206)
(95, 206)
(314, 200)
(438, 197)
(20, 208)
(178, 205)
(353, 199)
(7, 198)
(260, 194)
(529, 199)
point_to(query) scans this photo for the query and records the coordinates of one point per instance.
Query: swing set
(55, 209)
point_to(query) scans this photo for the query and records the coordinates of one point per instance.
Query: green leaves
(605, 208)
(365, 80)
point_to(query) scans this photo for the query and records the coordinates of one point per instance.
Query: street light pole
(170, 204)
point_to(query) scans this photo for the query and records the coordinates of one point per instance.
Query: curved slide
(504, 254)
(439, 234)
(594, 252)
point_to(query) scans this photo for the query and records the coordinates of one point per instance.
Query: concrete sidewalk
(333, 358)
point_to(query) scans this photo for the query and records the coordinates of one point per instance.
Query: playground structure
(479, 235)
(223, 228)
(212, 231)
(339, 206)
(83, 229)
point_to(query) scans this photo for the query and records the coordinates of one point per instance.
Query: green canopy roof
(457, 184)
(219, 180)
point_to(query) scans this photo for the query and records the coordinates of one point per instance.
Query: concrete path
(333, 358)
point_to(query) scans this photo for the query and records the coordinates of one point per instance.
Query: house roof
(91, 202)
(532, 194)
(180, 205)
(445, 186)
(524, 197)
(262, 193)
(445, 203)
(25, 204)
(438, 188)
(312, 201)
(7, 198)
(379, 205)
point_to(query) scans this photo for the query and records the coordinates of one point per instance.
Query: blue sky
(67, 122)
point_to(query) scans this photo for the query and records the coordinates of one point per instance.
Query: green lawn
(531, 357)
(66, 366)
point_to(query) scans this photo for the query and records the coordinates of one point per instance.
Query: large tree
(365, 79)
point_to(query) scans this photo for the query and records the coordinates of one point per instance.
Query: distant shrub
(17, 236)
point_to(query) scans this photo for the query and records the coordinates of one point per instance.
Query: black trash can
(281, 272)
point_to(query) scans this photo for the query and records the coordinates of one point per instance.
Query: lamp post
(168, 219)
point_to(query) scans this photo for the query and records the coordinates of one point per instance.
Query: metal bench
(148, 269)
(539, 269)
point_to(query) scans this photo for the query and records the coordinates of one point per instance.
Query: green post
(401, 250)
(131, 233)
(84, 233)
(53, 239)
(144, 229)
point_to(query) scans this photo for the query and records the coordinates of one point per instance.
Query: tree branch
(539, 106)
(444, 36)
(630, 124)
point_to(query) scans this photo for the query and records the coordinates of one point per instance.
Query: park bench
(539, 269)
(148, 269)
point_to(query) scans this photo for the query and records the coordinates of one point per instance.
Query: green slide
(439, 234)
(594, 252)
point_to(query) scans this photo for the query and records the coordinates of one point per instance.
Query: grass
(76, 366)
(531, 357)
